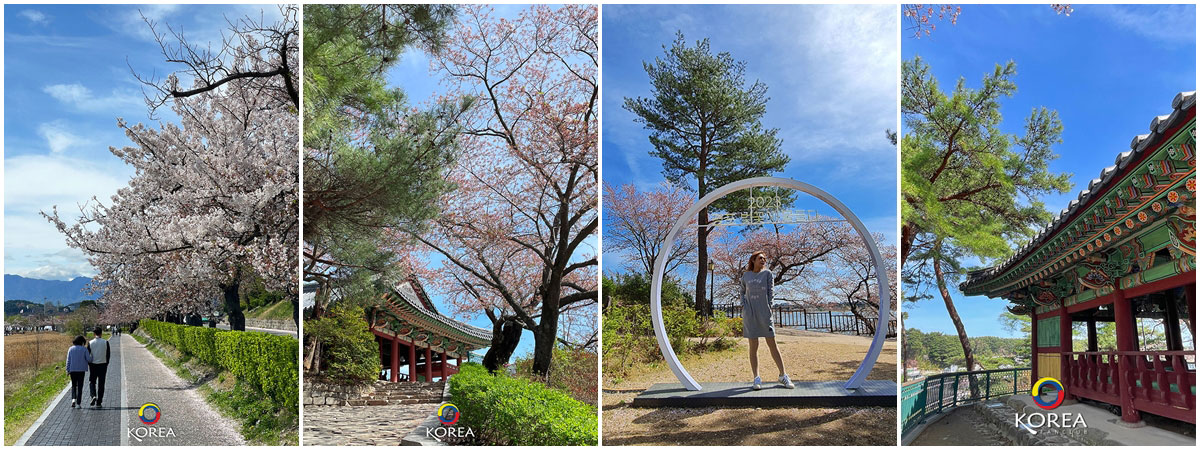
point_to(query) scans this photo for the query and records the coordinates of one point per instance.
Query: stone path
(184, 412)
(363, 425)
(963, 426)
(65, 425)
(136, 377)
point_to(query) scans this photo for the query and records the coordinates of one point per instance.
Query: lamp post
(711, 267)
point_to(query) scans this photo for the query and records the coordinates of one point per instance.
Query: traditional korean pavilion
(411, 332)
(1123, 252)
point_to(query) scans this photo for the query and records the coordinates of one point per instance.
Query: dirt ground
(808, 356)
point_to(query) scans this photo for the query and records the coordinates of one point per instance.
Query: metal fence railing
(932, 395)
(827, 321)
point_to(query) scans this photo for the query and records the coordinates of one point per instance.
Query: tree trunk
(312, 360)
(908, 234)
(703, 306)
(545, 340)
(233, 305)
(958, 325)
(506, 334)
(296, 311)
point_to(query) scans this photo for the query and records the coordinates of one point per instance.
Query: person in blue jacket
(78, 358)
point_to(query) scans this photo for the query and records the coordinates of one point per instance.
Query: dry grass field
(33, 375)
(25, 354)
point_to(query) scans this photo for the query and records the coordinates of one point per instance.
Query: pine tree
(706, 126)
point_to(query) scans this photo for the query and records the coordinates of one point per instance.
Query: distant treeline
(939, 350)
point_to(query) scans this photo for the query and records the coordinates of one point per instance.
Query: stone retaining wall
(322, 394)
(286, 325)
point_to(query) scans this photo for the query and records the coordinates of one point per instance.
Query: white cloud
(58, 137)
(35, 183)
(80, 97)
(35, 16)
(1168, 23)
(54, 272)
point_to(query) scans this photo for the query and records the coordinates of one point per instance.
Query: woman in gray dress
(758, 291)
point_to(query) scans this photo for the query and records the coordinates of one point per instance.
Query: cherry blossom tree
(638, 223)
(851, 279)
(921, 19)
(793, 254)
(254, 51)
(516, 233)
(213, 198)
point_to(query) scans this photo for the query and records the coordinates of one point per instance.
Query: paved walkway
(363, 425)
(65, 425)
(136, 377)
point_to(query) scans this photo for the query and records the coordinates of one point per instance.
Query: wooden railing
(1157, 382)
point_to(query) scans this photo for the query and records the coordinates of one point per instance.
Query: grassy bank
(281, 310)
(262, 423)
(24, 402)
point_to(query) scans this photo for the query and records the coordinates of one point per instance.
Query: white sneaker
(757, 383)
(786, 382)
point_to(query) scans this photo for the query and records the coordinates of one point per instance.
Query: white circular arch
(660, 332)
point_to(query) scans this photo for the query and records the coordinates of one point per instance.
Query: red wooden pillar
(1123, 313)
(382, 350)
(1190, 292)
(395, 359)
(412, 362)
(1171, 324)
(1033, 346)
(428, 364)
(458, 362)
(1093, 342)
(443, 374)
(1065, 347)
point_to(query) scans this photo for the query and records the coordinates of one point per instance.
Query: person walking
(78, 358)
(757, 293)
(98, 367)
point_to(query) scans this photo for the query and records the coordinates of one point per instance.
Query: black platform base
(806, 393)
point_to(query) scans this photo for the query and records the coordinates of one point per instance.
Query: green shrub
(514, 411)
(572, 370)
(265, 361)
(202, 343)
(349, 348)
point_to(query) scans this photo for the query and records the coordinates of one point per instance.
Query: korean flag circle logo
(149, 413)
(448, 414)
(1045, 383)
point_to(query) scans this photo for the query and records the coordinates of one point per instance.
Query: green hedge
(265, 361)
(515, 411)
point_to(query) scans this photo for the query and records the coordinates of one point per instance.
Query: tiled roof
(1158, 127)
(407, 291)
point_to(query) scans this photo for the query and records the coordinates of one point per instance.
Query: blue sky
(831, 73)
(67, 79)
(422, 86)
(1107, 69)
